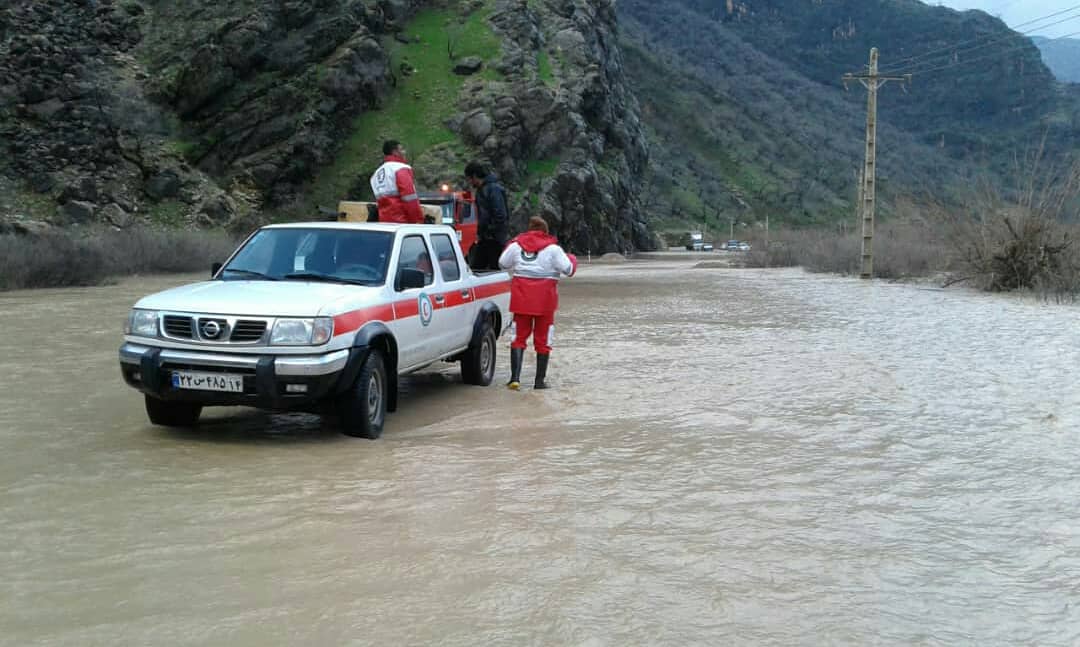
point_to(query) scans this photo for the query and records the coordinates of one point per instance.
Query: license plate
(208, 381)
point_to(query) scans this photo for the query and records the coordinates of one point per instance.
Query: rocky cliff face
(215, 114)
(181, 112)
(579, 117)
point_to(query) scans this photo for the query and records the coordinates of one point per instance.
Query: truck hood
(260, 298)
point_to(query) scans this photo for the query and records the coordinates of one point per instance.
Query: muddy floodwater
(728, 457)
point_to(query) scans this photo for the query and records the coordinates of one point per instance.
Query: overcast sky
(1015, 12)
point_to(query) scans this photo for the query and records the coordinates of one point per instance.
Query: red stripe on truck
(354, 320)
(491, 289)
(452, 299)
(406, 308)
(350, 321)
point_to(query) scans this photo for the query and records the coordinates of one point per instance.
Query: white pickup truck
(320, 317)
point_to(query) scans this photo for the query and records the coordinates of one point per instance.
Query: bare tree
(1021, 241)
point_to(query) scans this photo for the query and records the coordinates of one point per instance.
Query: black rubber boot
(541, 370)
(517, 355)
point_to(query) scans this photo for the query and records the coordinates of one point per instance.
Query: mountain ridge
(774, 67)
(602, 117)
(1062, 56)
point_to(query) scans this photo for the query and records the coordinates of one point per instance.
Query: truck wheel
(363, 406)
(478, 363)
(172, 414)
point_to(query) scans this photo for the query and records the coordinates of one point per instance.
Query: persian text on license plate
(208, 381)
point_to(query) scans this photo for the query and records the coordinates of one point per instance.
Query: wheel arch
(375, 336)
(489, 313)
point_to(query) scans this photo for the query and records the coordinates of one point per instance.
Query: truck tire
(363, 406)
(478, 362)
(172, 414)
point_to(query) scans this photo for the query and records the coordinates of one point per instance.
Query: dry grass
(1023, 240)
(92, 258)
(901, 250)
(1008, 238)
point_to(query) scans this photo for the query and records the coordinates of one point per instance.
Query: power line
(956, 51)
(964, 52)
(991, 55)
(911, 59)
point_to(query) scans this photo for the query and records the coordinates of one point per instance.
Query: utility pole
(872, 81)
(859, 204)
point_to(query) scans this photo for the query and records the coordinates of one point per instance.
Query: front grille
(177, 326)
(213, 329)
(248, 331)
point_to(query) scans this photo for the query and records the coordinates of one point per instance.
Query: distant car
(707, 247)
(732, 246)
(744, 247)
(695, 243)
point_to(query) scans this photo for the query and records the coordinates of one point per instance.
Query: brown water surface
(728, 457)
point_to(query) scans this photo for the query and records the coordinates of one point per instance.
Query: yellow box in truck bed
(362, 211)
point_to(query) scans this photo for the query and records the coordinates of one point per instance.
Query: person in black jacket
(493, 217)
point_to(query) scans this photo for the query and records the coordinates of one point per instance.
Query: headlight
(143, 323)
(302, 332)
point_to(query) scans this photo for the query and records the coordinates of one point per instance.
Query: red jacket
(395, 193)
(538, 262)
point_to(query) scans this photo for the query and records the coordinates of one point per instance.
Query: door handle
(439, 298)
(465, 294)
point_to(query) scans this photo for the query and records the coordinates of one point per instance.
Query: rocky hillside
(747, 116)
(978, 87)
(224, 114)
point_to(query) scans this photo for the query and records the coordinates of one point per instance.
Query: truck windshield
(313, 254)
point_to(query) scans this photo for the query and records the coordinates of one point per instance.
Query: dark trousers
(484, 254)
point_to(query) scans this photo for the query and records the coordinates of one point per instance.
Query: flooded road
(728, 457)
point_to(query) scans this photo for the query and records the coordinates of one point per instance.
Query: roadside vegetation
(85, 257)
(901, 251)
(1003, 240)
(1012, 250)
(1024, 241)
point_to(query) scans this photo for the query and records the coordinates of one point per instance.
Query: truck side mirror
(409, 278)
(214, 269)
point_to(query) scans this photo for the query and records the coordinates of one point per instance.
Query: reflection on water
(729, 456)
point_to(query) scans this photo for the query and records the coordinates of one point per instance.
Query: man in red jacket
(392, 184)
(538, 262)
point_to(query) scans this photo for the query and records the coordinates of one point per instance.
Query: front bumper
(270, 381)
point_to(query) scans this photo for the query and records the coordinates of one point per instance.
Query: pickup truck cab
(320, 317)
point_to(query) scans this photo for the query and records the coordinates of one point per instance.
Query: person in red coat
(395, 192)
(538, 263)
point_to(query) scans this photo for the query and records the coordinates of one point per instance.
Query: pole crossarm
(906, 78)
(868, 80)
